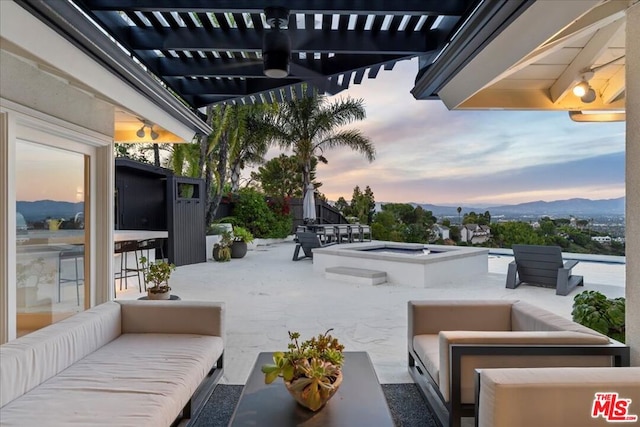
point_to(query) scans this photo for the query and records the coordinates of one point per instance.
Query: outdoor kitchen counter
(77, 237)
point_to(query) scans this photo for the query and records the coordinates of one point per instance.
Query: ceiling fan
(276, 44)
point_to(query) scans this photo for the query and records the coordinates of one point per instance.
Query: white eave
(537, 59)
(21, 32)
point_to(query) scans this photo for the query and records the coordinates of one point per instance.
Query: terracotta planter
(238, 249)
(303, 399)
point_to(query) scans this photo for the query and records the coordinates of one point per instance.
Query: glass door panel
(50, 230)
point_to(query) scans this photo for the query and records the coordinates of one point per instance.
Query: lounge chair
(449, 339)
(542, 265)
(307, 242)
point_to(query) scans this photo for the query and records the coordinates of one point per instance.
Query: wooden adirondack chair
(543, 266)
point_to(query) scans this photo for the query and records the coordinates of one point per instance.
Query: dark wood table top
(358, 402)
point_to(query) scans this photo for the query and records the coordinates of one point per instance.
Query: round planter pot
(238, 249)
(217, 256)
(158, 296)
(303, 398)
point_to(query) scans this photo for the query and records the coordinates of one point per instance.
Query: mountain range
(42, 209)
(39, 210)
(576, 207)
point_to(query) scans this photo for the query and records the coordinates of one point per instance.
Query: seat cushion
(135, 380)
(426, 347)
(553, 396)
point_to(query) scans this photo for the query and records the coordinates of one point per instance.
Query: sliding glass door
(51, 207)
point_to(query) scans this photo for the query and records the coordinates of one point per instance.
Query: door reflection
(50, 235)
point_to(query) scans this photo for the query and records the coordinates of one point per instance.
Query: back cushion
(527, 317)
(433, 316)
(31, 360)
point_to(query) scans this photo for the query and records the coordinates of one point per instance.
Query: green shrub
(252, 212)
(594, 310)
(241, 234)
(217, 228)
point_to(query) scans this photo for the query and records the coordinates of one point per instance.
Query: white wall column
(633, 182)
(103, 227)
(7, 230)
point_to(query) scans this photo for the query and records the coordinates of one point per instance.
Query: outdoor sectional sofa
(449, 339)
(124, 363)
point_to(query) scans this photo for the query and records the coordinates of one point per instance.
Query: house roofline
(74, 26)
(486, 22)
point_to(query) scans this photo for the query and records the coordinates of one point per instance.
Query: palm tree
(184, 159)
(310, 125)
(252, 142)
(459, 209)
(214, 152)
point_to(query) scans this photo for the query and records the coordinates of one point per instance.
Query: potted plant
(222, 249)
(29, 275)
(241, 236)
(311, 370)
(594, 310)
(157, 274)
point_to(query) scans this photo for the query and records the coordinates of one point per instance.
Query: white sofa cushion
(35, 358)
(428, 351)
(128, 382)
(528, 317)
(551, 397)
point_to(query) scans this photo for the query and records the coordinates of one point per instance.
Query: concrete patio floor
(266, 294)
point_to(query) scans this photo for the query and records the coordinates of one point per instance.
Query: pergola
(205, 52)
(182, 55)
(210, 52)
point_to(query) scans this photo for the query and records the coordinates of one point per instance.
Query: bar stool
(151, 245)
(124, 248)
(75, 253)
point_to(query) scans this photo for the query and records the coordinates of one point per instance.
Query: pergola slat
(234, 39)
(382, 7)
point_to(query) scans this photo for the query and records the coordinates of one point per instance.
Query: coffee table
(358, 402)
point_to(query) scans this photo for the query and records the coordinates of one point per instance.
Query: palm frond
(351, 138)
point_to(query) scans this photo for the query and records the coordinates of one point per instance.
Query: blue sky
(428, 154)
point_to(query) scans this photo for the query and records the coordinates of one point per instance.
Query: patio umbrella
(309, 205)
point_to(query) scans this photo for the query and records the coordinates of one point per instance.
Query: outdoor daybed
(124, 363)
(558, 397)
(448, 340)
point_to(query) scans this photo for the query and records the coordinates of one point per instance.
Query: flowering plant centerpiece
(311, 370)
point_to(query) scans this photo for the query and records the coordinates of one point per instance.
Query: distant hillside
(576, 207)
(42, 209)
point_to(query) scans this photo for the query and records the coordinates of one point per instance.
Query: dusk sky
(428, 154)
